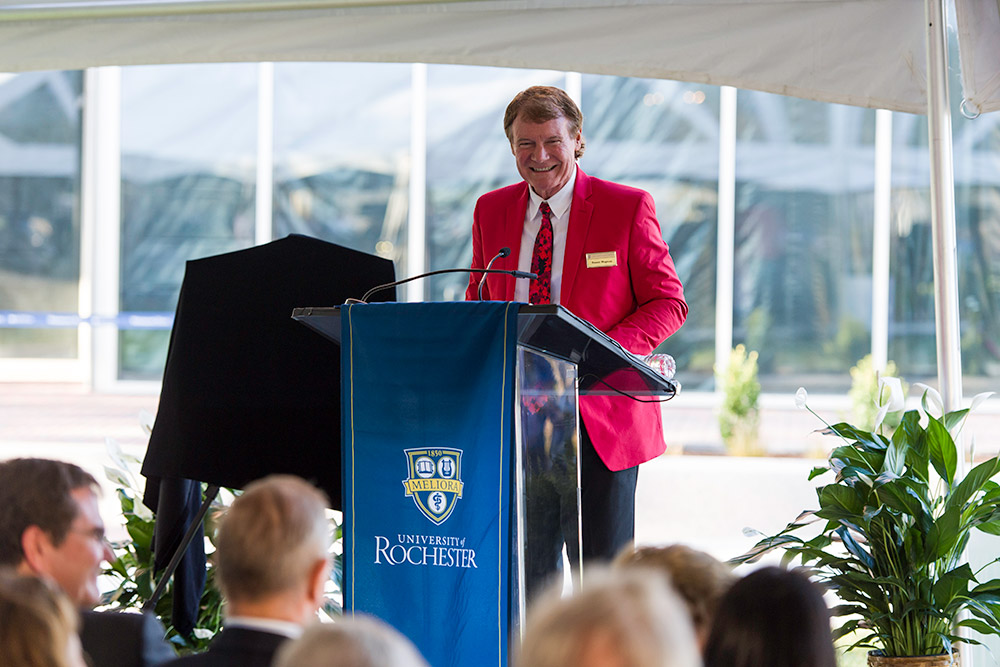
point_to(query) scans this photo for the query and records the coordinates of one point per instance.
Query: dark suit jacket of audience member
(236, 647)
(113, 639)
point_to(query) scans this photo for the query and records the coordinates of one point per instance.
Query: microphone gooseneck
(504, 251)
(379, 288)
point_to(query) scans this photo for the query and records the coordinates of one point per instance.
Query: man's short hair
(37, 492)
(629, 617)
(540, 104)
(699, 578)
(357, 641)
(270, 537)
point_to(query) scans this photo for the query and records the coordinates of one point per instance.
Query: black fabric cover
(248, 391)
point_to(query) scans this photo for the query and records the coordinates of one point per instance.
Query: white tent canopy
(861, 52)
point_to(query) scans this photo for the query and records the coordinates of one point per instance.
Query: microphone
(379, 288)
(504, 251)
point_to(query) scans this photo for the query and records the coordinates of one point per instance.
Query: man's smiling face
(545, 153)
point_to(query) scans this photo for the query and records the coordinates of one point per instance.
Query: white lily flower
(146, 421)
(978, 399)
(142, 511)
(883, 410)
(801, 396)
(931, 399)
(895, 401)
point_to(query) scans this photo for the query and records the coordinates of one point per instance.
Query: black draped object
(247, 391)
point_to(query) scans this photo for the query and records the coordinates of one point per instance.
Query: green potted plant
(739, 415)
(890, 531)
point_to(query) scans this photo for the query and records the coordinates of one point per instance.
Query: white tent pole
(726, 245)
(882, 239)
(949, 353)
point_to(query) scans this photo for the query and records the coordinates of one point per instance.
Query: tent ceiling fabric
(979, 51)
(818, 49)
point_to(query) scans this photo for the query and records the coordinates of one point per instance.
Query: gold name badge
(599, 259)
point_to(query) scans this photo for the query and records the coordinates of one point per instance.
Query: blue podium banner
(427, 394)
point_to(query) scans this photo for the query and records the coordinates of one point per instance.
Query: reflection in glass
(189, 139)
(804, 224)
(911, 298)
(663, 137)
(977, 209)
(548, 484)
(342, 155)
(912, 339)
(467, 156)
(39, 207)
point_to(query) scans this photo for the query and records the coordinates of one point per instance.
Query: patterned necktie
(541, 259)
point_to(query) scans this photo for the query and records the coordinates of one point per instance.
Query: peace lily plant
(891, 530)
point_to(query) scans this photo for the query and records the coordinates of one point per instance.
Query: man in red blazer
(609, 266)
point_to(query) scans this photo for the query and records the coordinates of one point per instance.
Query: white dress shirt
(272, 625)
(560, 204)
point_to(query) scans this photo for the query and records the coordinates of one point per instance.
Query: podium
(460, 427)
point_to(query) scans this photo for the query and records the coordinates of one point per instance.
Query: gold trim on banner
(354, 513)
(502, 485)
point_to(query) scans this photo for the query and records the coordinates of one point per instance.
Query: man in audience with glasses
(50, 527)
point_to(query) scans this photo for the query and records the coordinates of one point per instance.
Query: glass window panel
(911, 277)
(663, 137)
(189, 141)
(804, 211)
(342, 154)
(912, 333)
(40, 133)
(977, 213)
(467, 156)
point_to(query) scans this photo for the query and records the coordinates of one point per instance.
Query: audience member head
(38, 624)
(625, 618)
(699, 578)
(772, 618)
(272, 550)
(50, 525)
(358, 641)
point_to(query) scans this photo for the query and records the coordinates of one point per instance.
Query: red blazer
(639, 302)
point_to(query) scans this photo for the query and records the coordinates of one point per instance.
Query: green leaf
(870, 440)
(990, 527)
(978, 626)
(974, 482)
(917, 457)
(942, 450)
(763, 547)
(895, 458)
(856, 549)
(953, 419)
(817, 471)
(837, 501)
(952, 584)
(847, 455)
(900, 495)
(991, 587)
(943, 536)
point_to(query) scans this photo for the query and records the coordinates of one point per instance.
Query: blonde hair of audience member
(621, 618)
(358, 641)
(699, 578)
(272, 550)
(38, 624)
